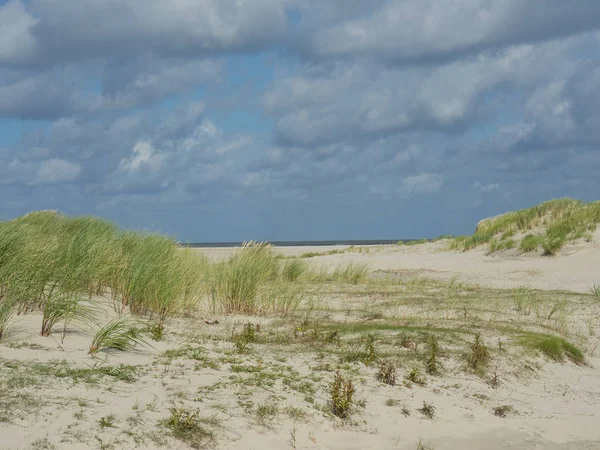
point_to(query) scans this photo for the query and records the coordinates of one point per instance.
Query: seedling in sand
(503, 411)
(423, 446)
(432, 364)
(266, 413)
(479, 356)
(387, 373)
(107, 421)
(428, 410)
(341, 393)
(416, 377)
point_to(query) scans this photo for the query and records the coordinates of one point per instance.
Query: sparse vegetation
(192, 428)
(343, 327)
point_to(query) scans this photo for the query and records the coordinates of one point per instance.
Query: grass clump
(530, 243)
(7, 312)
(479, 355)
(595, 291)
(266, 413)
(121, 333)
(293, 269)
(51, 263)
(190, 427)
(416, 377)
(353, 273)
(107, 421)
(386, 373)
(560, 221)
(432, 364)
(341, 394)
(503, 411)
(236, 282)
(554, 347)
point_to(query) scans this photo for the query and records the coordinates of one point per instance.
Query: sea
(300, 243)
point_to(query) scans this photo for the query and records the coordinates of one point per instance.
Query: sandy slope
(576, 269)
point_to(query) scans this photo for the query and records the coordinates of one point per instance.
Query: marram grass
(121, 333)
(50, 263)
(548, 226)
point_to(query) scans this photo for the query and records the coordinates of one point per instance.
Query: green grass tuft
(554, 347)
(121, 333)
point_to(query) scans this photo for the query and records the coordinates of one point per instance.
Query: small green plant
(595, 291)
(428, 410)
(479, 355)
(422, 446)
(391, 402)
(247, 337)
(416, 377)
(432, 364)
(190, 427)
(266, 413)
(370, 352)
(157, 331)
(503, 411)
(121, 333)
(341, 394)
(386, 373)
(107, 421)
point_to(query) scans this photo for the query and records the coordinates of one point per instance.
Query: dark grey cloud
(59, 31)
(358, 100)
(401, 31)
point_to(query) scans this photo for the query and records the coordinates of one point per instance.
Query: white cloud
(57, 171)
(16, 42)
(423, 183)
(144, 155)
(486, 187)
(429, 29)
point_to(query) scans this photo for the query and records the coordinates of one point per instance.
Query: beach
(275, 392)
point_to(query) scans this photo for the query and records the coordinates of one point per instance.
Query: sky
(233, 120)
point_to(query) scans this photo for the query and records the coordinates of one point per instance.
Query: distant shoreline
(298, 243)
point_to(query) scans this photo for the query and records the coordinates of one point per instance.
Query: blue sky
(222, 120)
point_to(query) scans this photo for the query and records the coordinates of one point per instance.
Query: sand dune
(552, 405)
